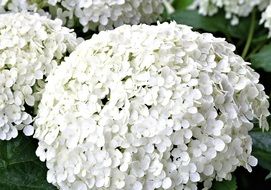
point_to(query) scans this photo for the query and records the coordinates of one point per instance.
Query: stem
(250, 34)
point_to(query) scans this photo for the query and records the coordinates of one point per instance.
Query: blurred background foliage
(20, 169)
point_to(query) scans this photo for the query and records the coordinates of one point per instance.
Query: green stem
(250, 34)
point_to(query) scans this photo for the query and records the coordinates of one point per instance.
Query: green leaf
(181, 4)
(262, 148)
(215, 23)
(20, 169)
(225, 185)
(262, 59)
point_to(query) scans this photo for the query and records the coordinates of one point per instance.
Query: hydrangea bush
(31, 46)
(149, 107)
(104, 14)
(139, 107)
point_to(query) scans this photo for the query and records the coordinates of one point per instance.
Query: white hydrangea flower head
(266, 18)
(233, 8)
(149, 107)
(31, 46)
(106, 14)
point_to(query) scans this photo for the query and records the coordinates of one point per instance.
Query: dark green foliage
(216, 23)
(20, 169)
(225, 185)
(262, 59)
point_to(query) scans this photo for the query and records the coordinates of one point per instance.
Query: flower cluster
(149, 107)
(235, 9)
(31, 46)
(108, 13)
(104, 14)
